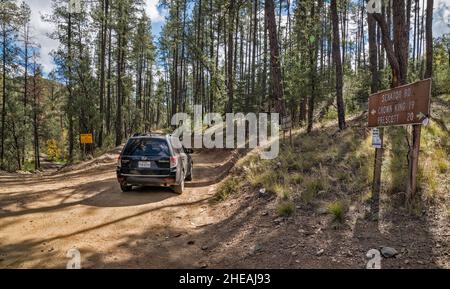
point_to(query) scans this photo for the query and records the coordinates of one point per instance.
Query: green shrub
(443, 166)
(53, 151)
(312, 188)
(282, 190)
(428, 179)
(337, 210)
(296, 179)
(396, 161)
(285, 208)
(343, 176)
(28, 166)
(331, 114)
(227, 188)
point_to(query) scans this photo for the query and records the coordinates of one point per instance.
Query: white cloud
(441, 17)
(151, 8)
(39, 30)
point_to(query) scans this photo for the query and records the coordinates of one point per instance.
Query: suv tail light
(173, 162)
(119, 161)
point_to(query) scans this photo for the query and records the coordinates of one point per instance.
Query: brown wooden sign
(403, 105)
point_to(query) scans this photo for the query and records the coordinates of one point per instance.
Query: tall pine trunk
(417, 129)
(338, 65)
(277, 81)
(4, 99)
(313, 51)
(374, 87)
(69, 87)
(104, 33)
(230, 83)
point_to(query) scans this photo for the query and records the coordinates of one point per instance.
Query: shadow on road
(104, 193)
(139, 196)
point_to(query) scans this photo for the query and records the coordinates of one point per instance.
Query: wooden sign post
(403, 105)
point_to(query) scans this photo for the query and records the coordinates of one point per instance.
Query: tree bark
(374, 87)
(104, 33)
(255, 41)
(429, 40)
(25, 87)
(400, 41)
(277, 81)
(36, 92)
(4, 99)
(69, 87)
(388, 47)
(373, 55)
(120, 58)
(313, 51)
(338, 65)
(230, 83)
(109, 87)
(417, 129)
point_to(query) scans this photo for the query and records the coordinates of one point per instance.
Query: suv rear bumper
(148, 180)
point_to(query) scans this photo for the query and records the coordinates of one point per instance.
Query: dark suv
(152, 160)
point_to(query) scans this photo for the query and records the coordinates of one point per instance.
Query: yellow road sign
(86, 138)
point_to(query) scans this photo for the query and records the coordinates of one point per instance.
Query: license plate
(144, 165)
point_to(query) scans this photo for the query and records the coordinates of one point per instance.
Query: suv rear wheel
(179, 188)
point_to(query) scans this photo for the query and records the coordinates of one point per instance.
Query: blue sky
(441, 24)
(41, 28)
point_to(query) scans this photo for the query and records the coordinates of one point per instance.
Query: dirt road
(82, 207)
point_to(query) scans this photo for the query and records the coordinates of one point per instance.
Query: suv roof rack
(148, 134)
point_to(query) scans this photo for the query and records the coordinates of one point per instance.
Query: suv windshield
(147, 147)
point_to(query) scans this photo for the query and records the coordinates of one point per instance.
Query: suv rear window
(147, 147)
